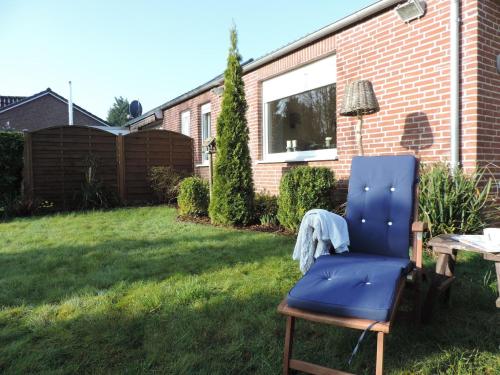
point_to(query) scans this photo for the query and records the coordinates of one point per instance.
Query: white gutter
(325, 31)
(454, 83)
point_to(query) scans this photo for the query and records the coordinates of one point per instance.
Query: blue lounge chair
(361, 289)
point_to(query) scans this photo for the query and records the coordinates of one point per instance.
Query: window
(205, 128)
(300, 113)
(185, 122)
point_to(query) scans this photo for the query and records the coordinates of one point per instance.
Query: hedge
(193, 197)
(11, 164)
(302, 189)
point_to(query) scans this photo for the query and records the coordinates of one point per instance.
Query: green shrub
(266, 209)
(453, 203)
(302, 189)
(193, 197)
(165, 183)
(93, 194)
(11, 165)
(16, 206)
(268, 220)
(232, 191)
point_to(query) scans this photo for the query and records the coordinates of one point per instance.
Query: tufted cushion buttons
(391, 182)
(362, 286)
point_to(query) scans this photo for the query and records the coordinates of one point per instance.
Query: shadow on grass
(46, 275)
(225, 333)
(203, 301)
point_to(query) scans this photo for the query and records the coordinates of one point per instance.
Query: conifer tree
(117, 114)
(233, 190)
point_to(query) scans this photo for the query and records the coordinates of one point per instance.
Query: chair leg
(379, 369)
(290, 325)
(418, 298)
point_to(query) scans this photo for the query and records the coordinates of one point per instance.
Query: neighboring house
(295, 92)
(41, 110)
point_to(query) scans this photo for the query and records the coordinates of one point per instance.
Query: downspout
(454, 83)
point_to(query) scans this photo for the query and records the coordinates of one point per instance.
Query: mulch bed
(254, 227)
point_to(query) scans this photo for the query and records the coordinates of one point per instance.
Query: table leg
(445, 267)
(497, 268)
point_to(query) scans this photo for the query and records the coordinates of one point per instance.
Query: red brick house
(431, 103)
(44, 109)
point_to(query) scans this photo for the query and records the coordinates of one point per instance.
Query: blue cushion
(351, 285)
(380, 204)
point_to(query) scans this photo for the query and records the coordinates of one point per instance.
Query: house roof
(252, 64)
(48, 91)
(7, 100)
(214, 82)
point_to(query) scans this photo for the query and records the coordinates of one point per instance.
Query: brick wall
(41, 113)
(409, 67)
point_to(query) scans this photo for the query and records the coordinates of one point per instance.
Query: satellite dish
(135, 109)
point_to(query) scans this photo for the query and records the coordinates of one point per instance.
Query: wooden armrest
(419, 226)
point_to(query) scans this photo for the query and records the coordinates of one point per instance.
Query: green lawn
(135, 291)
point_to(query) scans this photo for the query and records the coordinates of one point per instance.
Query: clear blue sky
(146, 50)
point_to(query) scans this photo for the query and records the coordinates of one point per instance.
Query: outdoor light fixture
(219, 90)
(158, 114)
(411, 10)
(359, 100)
(498, 63)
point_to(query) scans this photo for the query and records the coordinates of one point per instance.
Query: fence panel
(56, 160)
(149, 148)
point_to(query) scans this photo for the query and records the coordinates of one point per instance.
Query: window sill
(201, 165)
(299, 157)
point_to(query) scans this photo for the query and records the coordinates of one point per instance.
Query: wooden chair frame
(382, 328)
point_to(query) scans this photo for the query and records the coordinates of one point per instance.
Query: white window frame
(309, 77)
(186, 117)
(205, 108)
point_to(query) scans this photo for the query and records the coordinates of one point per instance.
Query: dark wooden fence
(56, 159)
(145, 149)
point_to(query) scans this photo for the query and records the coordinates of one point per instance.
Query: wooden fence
(56, 160)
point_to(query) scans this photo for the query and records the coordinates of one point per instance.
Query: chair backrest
(380, 204)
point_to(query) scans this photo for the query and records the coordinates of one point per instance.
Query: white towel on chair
(325, 227)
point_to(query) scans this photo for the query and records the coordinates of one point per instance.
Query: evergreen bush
(193, 197)
(232, 192)
(11, 165)
(302, 189)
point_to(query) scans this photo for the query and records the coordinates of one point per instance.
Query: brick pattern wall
(409, 67)
(41, 113)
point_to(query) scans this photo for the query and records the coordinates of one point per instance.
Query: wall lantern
(411, 10)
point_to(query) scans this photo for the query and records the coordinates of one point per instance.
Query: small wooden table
(446, 249)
